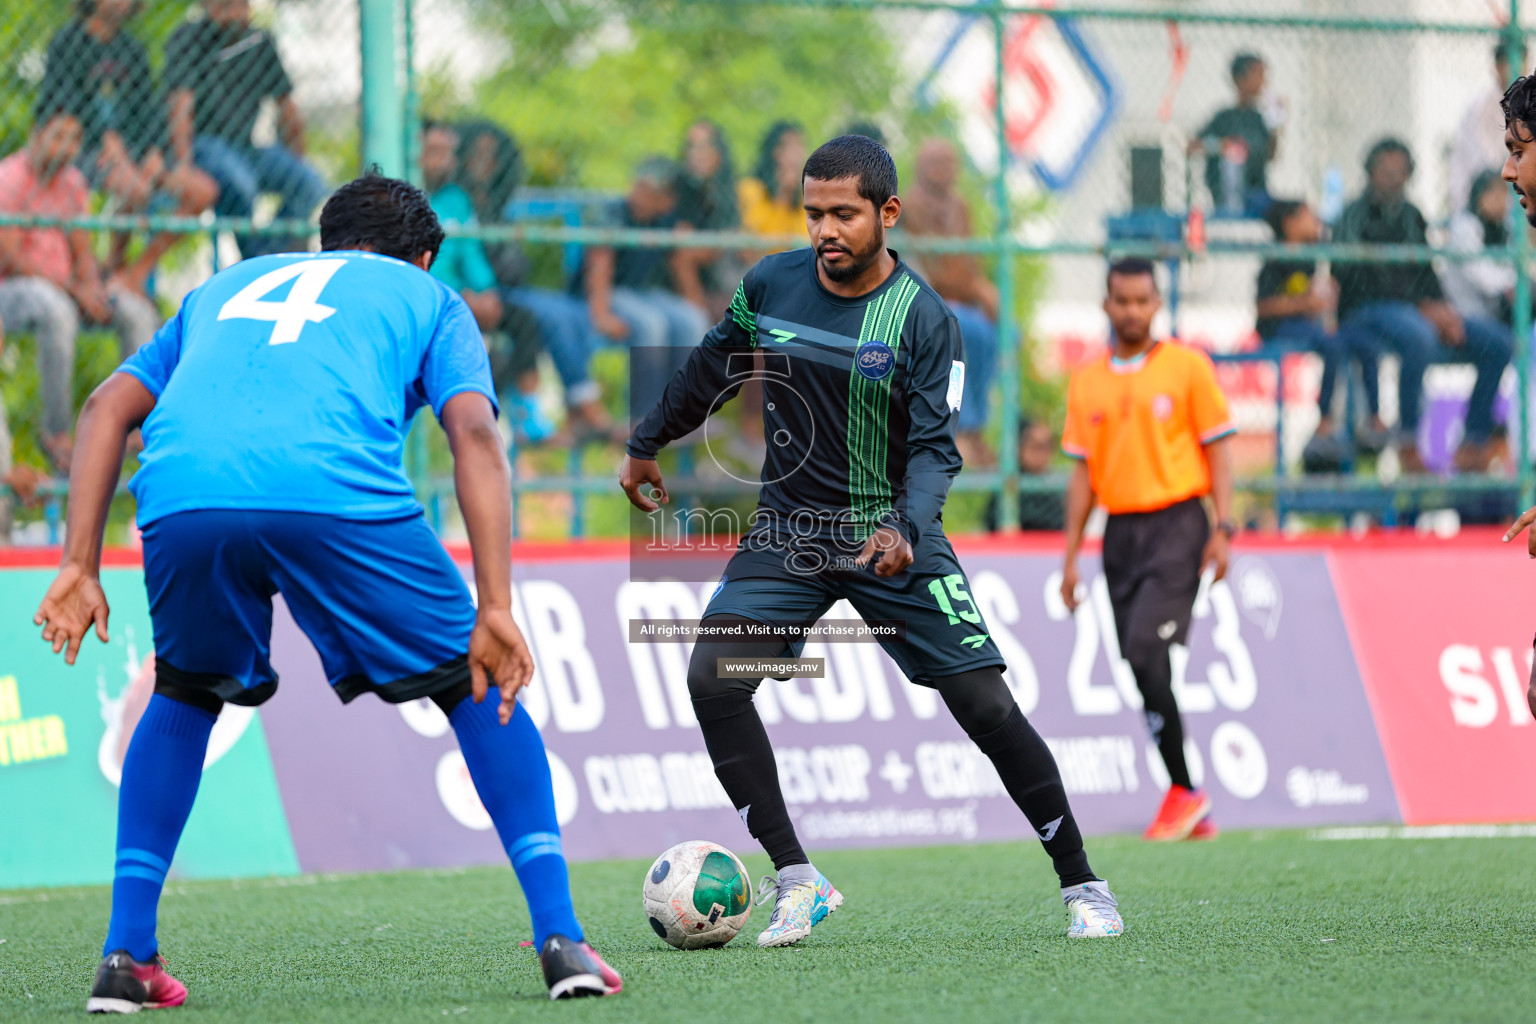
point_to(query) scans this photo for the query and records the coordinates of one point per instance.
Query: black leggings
(980, 701)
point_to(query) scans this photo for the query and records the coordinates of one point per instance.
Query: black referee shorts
(1152, 566)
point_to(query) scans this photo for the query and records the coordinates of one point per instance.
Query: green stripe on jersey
(870, 491)
(744, 317)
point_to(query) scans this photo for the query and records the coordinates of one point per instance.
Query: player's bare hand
(1070, 581)
(498, 655)
(889, 549)
(1523, 523)
(73, 603)
(636, 473)
(1217, 552)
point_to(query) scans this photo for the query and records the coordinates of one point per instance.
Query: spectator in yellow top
(770, 200)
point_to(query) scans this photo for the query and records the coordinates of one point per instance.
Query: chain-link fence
(1033, 142)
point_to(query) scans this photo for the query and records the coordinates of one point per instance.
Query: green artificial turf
(1250, 927)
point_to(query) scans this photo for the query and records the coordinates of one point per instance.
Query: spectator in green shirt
(511, 332)
(1239, 142)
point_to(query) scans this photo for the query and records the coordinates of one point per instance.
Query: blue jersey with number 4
(288, 383)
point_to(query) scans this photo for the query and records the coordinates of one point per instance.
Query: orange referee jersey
(1142, 426)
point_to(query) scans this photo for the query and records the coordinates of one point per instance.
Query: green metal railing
(389, 121)
(1005, 245)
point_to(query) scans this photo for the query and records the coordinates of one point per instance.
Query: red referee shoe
(1206, 829)
(1182, 810)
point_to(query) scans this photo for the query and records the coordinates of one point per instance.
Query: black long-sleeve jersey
(861, 397)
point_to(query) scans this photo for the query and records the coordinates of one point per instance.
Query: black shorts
(945, 634)
(1152, 566)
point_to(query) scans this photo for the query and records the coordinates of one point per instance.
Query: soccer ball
(697, 895)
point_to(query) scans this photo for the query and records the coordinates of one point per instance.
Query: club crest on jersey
(874, 360)
(1162, 406)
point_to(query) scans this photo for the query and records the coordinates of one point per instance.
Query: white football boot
(799, 907)
(1095, 914)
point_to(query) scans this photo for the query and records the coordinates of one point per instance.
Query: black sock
(744, 763)
(1031, 777)
(1154, 678)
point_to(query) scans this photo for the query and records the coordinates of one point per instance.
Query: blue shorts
(380, 599)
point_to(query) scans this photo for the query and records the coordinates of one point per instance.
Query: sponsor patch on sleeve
(956, 384)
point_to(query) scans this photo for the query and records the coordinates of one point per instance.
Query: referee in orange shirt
(1148, 426)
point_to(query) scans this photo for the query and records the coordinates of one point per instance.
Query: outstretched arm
(1079, 504)
(483, 481)
(75, 600)
(1218, 455)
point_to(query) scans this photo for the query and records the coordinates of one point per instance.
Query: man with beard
(1148, 425)
(1519, 106)
(862, 388)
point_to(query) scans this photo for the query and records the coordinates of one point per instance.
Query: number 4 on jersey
(302, 306)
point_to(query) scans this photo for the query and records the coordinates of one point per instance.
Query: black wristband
(1227, 527)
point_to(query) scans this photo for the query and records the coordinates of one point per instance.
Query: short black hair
(1280, 211)
(50, 105)
(1519, 106)
(1390, 144)
(866, 128)
(1131, 266)
(1242, 62)
(384, 215)
(855, 156)
(659, 171)
(85, 8)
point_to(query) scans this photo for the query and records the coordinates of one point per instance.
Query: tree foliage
(594, 86)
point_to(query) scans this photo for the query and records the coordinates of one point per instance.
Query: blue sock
(160, 777)
(511, 775)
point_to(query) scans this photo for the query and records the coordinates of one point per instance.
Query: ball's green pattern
(721, 882)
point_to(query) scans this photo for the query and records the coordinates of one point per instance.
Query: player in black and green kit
(862, 375)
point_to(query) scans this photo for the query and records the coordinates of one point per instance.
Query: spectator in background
(1401, 307)
(17, 483)
(49, 280)
(630, 289)
(770, 200)
(706, 201)
(100, 73)
(932, 207)
(772, 203)
(1239, 142)
(1037, 510)
(1295, 302)
(868, 129)
(1479, 140)
(1481, 287)
(511, 333)
(490, 169)
(218, 69)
